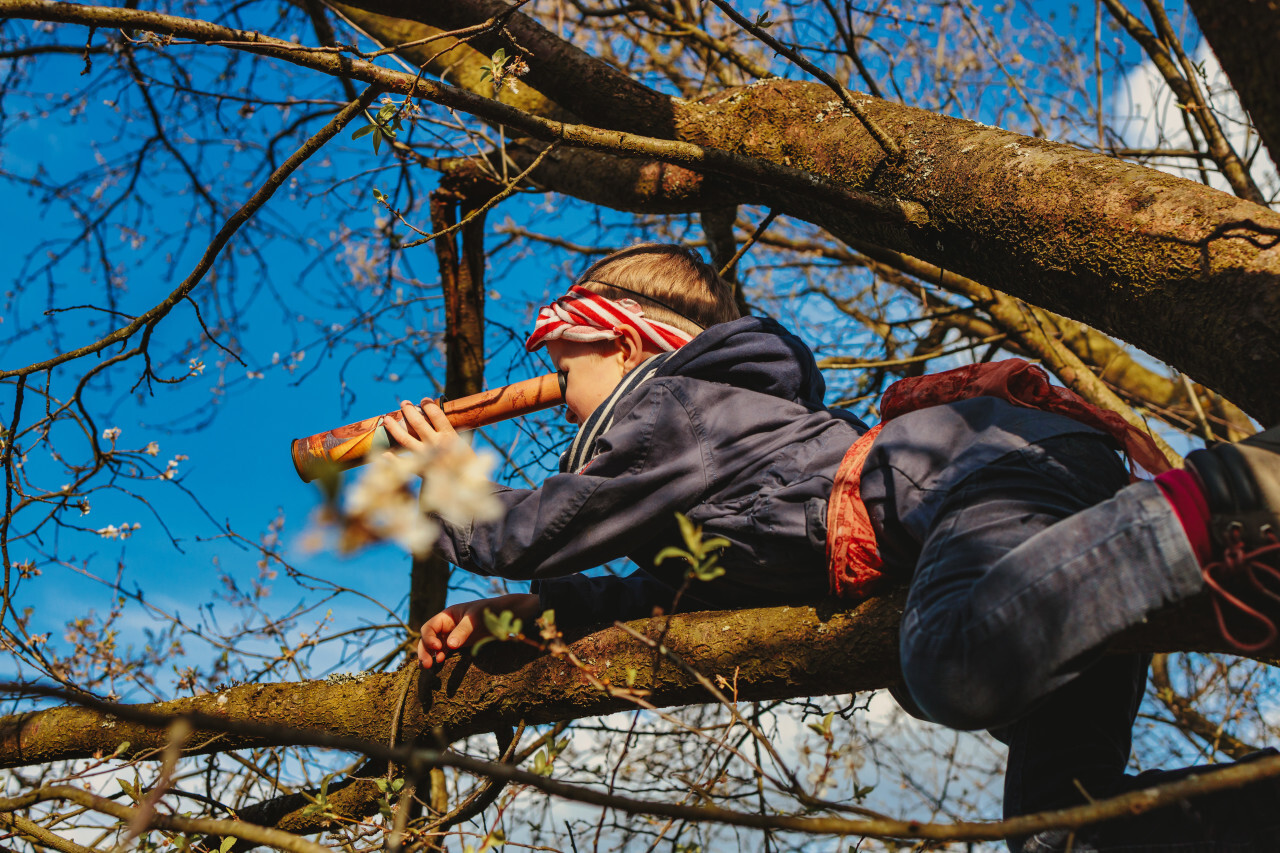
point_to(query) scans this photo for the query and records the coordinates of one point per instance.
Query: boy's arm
(581, 600)
(653, 464)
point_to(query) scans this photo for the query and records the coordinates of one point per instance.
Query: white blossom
(171, 469)
(384, 503)
(456, 485)
(124, 531)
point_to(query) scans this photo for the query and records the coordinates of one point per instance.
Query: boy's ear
(631, 345)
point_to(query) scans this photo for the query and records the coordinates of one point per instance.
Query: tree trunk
(1245, 36)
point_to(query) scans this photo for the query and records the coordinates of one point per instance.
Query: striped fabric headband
(582, 316)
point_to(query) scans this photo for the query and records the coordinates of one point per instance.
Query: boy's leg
(1027, 568)
(1073, 748)
(997, 543)
(1015, 584)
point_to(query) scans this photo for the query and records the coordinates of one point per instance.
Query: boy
(1025, 549)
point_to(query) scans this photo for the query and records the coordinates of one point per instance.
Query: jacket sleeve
(652, 464)
(581, 600)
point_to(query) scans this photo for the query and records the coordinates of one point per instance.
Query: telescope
(351, 445)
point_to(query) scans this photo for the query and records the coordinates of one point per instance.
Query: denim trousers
(1024, 569)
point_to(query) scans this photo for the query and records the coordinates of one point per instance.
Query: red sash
(852, 557)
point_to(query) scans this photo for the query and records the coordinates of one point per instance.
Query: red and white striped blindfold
(582, 316)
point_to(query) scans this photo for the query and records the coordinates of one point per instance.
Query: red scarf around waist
(852, 557)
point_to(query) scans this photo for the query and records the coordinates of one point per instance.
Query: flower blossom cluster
(124, 531)
(171, 469)
(384, 505)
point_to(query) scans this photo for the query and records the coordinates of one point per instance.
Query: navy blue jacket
(731, 431)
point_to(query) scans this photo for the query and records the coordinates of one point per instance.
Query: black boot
(1242, 487)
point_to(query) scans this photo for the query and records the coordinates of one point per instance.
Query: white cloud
(1148, 116)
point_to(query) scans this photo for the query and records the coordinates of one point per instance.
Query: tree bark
(770, 653)
(1245, 36)
(578, 82)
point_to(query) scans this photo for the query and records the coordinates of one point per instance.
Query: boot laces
(1238, 562)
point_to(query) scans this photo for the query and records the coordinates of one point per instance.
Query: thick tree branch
(446, 57)
(572, 78)
(776, 653)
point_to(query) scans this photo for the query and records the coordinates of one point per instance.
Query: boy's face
(591, 370)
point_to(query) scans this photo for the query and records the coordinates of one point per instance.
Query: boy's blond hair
(669, 281)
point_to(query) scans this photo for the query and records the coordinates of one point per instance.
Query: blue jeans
(1024, 569)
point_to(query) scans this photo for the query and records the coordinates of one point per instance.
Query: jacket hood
(754, 353)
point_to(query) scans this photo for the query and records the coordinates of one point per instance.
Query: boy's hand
(463, 624)
(430, 426)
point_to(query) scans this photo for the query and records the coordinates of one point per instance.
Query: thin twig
(484, 208)
(229, 228)
(760, 229)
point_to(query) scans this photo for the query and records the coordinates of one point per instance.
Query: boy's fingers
(414, 418)
(439, 420)
(424, 655)
(441, 623)
(401, 435)
(461, 632)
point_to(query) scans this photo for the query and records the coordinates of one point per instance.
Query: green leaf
(499, 57)
(364, 131)
(493, 623)
(502, 626)
(708, 572)
(377, 141)
(715, 543)
(227, 844)
(122, 748)
(762, 20)
(688, 532)
(672, 551)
